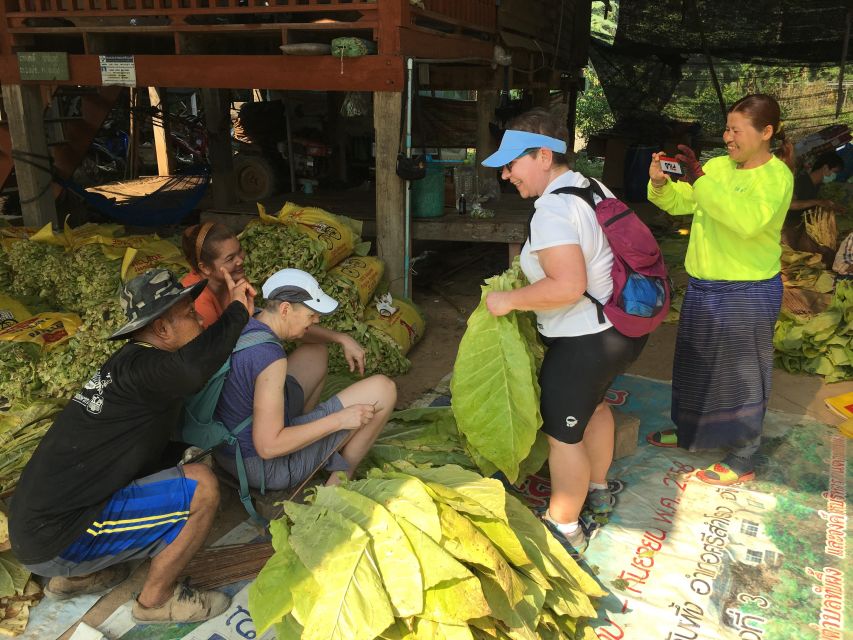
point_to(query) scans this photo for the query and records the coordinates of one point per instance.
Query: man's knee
(207, 486)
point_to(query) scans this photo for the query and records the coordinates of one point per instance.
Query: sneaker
(600, 501)
(185, 605)
(62, 588)
(575, 543)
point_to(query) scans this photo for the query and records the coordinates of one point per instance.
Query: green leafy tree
(593, 112)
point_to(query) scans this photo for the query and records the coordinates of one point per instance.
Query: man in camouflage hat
(93, 497)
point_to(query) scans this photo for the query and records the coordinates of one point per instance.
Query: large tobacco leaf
(397, 562)
(495, 392)
(352, 604)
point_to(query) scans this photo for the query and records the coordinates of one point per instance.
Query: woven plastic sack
(398, 318)
(48, 330)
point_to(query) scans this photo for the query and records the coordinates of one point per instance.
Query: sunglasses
(508, 165)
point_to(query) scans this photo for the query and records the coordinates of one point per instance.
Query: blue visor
(515, 143)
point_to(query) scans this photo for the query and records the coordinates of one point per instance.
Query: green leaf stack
(495, 391)
(413, 553)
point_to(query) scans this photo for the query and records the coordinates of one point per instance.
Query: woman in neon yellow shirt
(724, 348)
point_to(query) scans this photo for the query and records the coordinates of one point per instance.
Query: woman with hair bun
(210, 247)
(724, 347)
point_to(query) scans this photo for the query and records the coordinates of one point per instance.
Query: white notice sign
(119, 70)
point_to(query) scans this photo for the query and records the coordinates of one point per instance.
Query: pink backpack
(641, 287)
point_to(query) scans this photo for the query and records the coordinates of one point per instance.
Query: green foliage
(601, 26)
(593, 113)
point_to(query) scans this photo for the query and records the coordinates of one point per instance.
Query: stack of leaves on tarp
(21, 429)
(495, 388)
(18, 591)
(821, 344)
(429, 436)
(806, 271)
(419, 554)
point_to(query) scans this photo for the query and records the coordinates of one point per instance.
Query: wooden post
(390, 189)
(135, 122)
(487, 101)
(572, 114)
(165, 157)
(25, 109)
(217, 117)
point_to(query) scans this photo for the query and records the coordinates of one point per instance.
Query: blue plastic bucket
(428, 193)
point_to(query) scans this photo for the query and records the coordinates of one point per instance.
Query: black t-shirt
(804, 188)
(111, 432)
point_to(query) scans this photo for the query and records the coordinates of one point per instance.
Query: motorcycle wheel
(256, 177)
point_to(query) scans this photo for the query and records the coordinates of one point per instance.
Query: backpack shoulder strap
(584, 193)
(253, 339)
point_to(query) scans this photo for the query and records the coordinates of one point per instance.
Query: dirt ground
(446, 287)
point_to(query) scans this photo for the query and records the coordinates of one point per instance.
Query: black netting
(780, 31)
(657, 53)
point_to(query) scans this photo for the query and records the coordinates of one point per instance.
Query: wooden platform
(509, 225)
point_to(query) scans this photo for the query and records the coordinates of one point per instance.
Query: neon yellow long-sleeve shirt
(737, 218)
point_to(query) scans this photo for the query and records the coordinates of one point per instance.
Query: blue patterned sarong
(724, 362)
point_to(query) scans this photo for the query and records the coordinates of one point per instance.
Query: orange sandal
(722, 474)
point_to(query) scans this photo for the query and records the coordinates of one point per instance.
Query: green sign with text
(43, 65)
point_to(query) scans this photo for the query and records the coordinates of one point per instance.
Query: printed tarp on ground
(685, 560)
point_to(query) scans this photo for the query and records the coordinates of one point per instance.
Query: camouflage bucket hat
(149, 296)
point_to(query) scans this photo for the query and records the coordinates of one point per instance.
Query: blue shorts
(138, 522)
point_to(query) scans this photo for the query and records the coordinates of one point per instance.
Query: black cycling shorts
(575, 376)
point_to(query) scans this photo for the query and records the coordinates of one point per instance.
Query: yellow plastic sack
(338, 235)
(48, 330)
(88, 233)
(12, 312)
(398, 318)
(137, 261)
(365, 273)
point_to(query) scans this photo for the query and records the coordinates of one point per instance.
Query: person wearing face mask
(724, 347)
(824, 170)
(292, 433)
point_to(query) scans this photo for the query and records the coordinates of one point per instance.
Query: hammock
(167, 205)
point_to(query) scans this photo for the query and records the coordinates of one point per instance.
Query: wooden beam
(390, 189)
(165, 157)
(307, 73)
(135, 122)
(25, 109)
(217, 116)
(487, 101)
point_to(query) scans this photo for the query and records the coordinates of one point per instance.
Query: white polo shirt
(562, 219)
